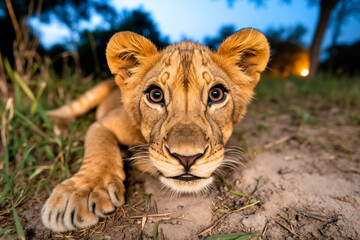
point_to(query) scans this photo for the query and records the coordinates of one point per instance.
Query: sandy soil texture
(301, 178)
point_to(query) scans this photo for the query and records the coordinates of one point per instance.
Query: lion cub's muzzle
(186, 162)
(186, 143)
(187, 157)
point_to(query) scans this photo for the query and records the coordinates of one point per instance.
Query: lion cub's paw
(72, 207)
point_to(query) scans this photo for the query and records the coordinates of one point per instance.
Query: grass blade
(10, 73)
(249, 236)
(7, 160)
(47, 189)
(35, 173)
(11, 179)
(9, 69)
(234, 236)
(259, 180)
(147, 202)
(19, 229)
(21, 165)
(2, 231)
(242, 208)
(156, 230)
(231, 236)
(45, 118)
(240, 194)
(28, 121)
(7, 187)
(24, 86)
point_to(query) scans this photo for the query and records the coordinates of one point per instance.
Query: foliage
(343, 11)
(292, 34)
(341, 14)
(224, 32)
(69, 12)
(137, 21)
(89, 46)
(32, 155)
(343, 60)
(288, 55)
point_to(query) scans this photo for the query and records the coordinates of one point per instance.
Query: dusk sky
(194, 20)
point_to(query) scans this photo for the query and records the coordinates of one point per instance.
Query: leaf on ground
(259, 180)
(240, 194)
(234, 236)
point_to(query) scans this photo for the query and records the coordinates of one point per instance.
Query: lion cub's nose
(187, 161)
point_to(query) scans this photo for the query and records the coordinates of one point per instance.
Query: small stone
(334, 110)
(255, 222)
(284, 171)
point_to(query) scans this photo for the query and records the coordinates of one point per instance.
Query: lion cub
(182, 102)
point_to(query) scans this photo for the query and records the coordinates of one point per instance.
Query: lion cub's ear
(126, 50)
(249, 50)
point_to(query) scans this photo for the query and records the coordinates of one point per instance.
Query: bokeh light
(304, 72)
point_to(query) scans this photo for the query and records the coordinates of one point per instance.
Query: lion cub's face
(186, 109)
(186, 99)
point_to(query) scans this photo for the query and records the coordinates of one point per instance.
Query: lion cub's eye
(155, 95)
(217, 94)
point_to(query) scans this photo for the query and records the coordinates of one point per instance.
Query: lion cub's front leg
(97, 188)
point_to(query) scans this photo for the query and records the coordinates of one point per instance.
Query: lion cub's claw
(70, 208)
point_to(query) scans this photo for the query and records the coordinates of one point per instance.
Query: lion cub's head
(186, 98)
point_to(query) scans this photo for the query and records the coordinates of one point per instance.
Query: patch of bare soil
(301, 180)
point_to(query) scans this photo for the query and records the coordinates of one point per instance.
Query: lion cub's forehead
(186, 63)
(186, 52)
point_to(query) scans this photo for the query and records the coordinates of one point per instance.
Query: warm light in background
(304, 72)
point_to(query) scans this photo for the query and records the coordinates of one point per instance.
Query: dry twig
(277, 142)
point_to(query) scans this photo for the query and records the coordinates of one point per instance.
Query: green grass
(34, 159)
(234, 236)
(343, 92)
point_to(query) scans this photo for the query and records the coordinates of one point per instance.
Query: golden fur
(185, 134)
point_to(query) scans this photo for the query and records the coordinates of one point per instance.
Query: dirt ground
(301, 175)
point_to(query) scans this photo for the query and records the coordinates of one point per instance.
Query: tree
(326, 7)
(89, 46)
(342, 12)
(69, 12)
(288, 55)
(343, 60)
(139, 21)
(224, 32)
(72, 12)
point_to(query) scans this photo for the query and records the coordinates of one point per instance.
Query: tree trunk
(326, 7)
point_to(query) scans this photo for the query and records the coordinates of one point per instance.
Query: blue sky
(199, 18)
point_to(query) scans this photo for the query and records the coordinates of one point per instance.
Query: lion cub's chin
(194, 186)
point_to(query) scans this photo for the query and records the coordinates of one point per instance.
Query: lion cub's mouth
(187, 177)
